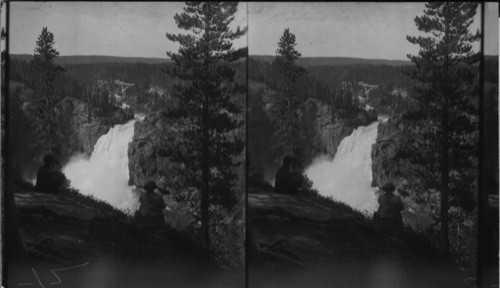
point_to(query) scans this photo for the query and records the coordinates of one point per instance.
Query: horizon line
(352, 57)
(249, 55)
(97, 55)
(168, 58)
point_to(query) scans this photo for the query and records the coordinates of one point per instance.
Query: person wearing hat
(388, 215)
(151, 209)
(49, 179)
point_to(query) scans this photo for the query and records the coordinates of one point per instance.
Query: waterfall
(105, 174)
(347, 178)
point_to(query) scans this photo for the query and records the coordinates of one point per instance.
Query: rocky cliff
(81, 131)
(326, 129)
(391, 152)
(153, 149)
(391, 162)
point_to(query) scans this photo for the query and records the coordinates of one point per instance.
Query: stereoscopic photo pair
(226, 144)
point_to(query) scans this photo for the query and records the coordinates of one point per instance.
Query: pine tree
(286, 102)
(203, 64)
(446, 68)
(43, 83)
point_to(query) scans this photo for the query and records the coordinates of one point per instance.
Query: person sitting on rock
(288, 179)
(150, 212)
(388, 217)
(49, 178)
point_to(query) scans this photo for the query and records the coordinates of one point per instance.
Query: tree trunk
(205, 181)
(444, 182)
(205, 220)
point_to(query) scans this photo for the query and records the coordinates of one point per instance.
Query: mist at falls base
(348, 177)
(105, 174)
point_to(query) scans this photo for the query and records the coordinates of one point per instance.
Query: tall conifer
(203, 63)
(286, 102)
(446, 68)
(44, 100)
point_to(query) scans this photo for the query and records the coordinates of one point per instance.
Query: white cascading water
(105, 174)
(348, 177)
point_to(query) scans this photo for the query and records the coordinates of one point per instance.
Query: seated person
(388, 216)
(288, 179)
(49, 179)
(150, 212)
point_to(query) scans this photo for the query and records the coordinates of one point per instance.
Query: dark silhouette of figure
(49, 178)
(150, 213)
(288, 178)
(388, 217)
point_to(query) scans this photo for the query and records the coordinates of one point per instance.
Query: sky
(128, 29)
(491, 31)
(134, 29)
(364, 30)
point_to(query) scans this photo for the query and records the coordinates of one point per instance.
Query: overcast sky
(130, 29)
(491, 33)
(367, 30)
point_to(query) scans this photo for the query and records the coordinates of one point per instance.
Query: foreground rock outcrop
(307, 241)
(302, 230)
(73, 241)
(64, 229)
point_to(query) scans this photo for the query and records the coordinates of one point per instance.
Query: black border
(482, 207)
(5, 142)
(247, 164)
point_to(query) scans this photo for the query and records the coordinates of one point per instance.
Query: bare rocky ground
(306, 241)
(72, 242)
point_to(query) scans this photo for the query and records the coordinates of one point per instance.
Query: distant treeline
(96, 59)
(322, 80)
(141, 74)
(80, 77)
(383, 75)
(329, 61)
